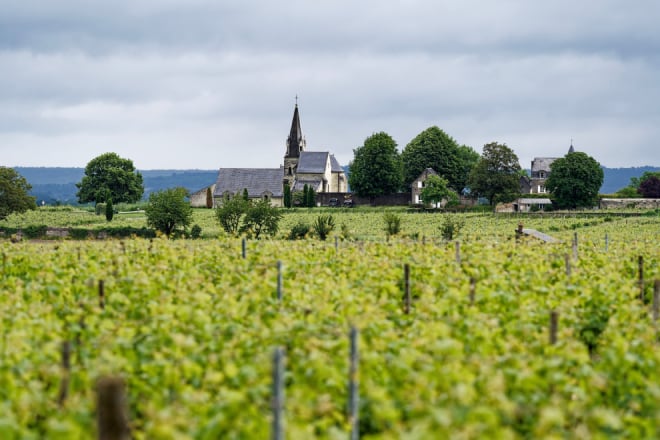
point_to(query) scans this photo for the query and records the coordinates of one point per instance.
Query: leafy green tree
(14, 193)
(168, 210)
(497, 174)
(467, 160)
(436, 189)
(110, 176)
(650, 187)
(230, 213)
(109, 210)
(288, 199)
(246, 196)
(310, 201)
(376, 167)
(261, 218)
(575, 180)
(433, 148)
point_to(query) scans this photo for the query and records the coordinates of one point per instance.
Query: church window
(290, 173)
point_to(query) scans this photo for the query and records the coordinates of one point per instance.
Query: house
(418, 185)
(535, 184)
(319, 170)
(527, 205)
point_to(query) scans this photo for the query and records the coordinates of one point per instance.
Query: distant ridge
(59, 184)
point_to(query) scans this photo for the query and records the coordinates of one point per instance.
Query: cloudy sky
(207, 84)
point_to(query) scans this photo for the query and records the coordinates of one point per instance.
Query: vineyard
(191, 327)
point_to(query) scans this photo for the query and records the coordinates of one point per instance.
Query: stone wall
(629, 203)
(399, 199)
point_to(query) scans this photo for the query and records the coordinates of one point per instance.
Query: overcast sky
(207, 84)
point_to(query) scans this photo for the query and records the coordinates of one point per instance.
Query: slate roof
(312, 162)
(534, 202)
(334, 163)
(257, 181)
(542, 163)
(316, 184)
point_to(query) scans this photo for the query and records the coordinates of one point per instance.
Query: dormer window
(542, 174)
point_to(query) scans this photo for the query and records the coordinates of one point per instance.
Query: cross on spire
(296, 100)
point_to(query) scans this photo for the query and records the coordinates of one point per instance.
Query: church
(316, 169)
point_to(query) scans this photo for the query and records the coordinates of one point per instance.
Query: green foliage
(196, 231)
(246, 196)
(574, 181)
(99, 208)
(435, 190)
(451, 226)
(209, 198)
(230, 213)
(288, 200)
(298, 198)
(109, 210)
(35, 231)
(310, 199)
(376, 167)
(392, 223)
(433, 148)
(595, 316)
(168, 210)
(261, 218)
(299, 231)
(323, 226)
(649, 187)
(467, 160)
(496, 175)
(109, 176)
(14, 193)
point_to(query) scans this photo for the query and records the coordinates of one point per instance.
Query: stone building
(319, 170)
(535, 184)
(418, 185)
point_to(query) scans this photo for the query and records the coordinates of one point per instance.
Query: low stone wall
(399, 199)
(629, 203)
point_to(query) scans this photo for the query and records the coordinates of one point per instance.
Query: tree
(168, 210)
(230, 213)
(261, 217)
(288, 200)
(650, 187)
(310, 201)
(496, 175)
(109, 210)
(436, 189)
(246, 196)
(467, 160)
(376, 167)
(209, 198)
(110, 176)
(574, 180)
(433, 148)
(14, 193)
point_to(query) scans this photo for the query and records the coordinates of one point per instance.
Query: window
(542, 174)
(420, 184)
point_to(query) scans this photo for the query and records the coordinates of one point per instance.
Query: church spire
(295, 143)
(571, 149)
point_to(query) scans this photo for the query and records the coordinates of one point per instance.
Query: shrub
(196, 231)
(78, 234)
(451, 226)
(35, 231)
(392, 223)
(323, 225)
(99, 209)
(299, 231)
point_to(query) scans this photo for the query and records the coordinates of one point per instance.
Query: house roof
(312, 162)
(258, 181)
(334, 163)
(542, 163)
(315, 184)
(534, 202)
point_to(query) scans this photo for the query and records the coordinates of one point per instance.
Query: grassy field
(191, 327)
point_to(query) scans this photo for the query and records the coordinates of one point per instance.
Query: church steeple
(571, 149)
(295, 143)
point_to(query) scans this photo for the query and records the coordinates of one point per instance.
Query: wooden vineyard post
(575, 246)
(567, 261)
(656, 299)
(277, 403)
(336, 244)
(102, 294)
(111, 411)
(473, 289)
(554, 320)
(4, 264)
(519, 231)
(243, 250)
(353, 386)
(458, 252)
(640, 264)
(279, 280)
(66, 373)
(607, 242)
(406, 288)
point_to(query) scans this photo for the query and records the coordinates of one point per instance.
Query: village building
(535, 184)
(319, 170)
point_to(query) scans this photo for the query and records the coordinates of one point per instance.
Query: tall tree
(575, 180)
(110, 176)
(650, 188)
(288, 199)
(376, 167)
(14, 191)
(433, 148)
(467, 159)
(497, 174)
(168, 210)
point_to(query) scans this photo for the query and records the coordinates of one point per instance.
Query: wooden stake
(336, 244)
(656, 299)
(66, 373)
(640, 264)
(111, 411)
(243, 250)
(473, 288)
(554, 319)
(406, 288)
(575, 246)
(279, 280)
(607, 242)
(458, 252)
(101, 294)
(277, 403)
(353, 386)
(567, 260)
